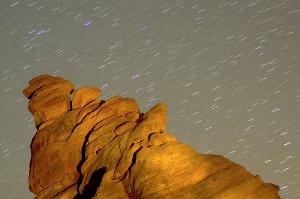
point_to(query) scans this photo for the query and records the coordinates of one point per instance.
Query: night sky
(229, 71)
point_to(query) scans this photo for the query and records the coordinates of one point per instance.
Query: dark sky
(229, 71)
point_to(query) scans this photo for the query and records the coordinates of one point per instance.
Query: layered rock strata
(86, 148)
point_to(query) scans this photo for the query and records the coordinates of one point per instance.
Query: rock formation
(87, 148)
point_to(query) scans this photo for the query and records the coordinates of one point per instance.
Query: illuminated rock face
(85, 148)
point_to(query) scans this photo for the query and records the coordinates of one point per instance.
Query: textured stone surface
(49, 97)
(109, 149)
(84, 95)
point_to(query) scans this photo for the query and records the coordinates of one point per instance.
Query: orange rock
(42, 80)
(108, 149)
(36, 83)
(86, 110)
(85, 95)
(53, 158)
(49, 97)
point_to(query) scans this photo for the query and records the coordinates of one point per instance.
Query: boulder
(109, 149)
(85, 95)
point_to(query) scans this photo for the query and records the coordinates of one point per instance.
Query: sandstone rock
(84, 95)
(49, 97)
(53, 157)
(108, 149)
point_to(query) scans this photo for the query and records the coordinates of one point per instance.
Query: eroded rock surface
(86, 148)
